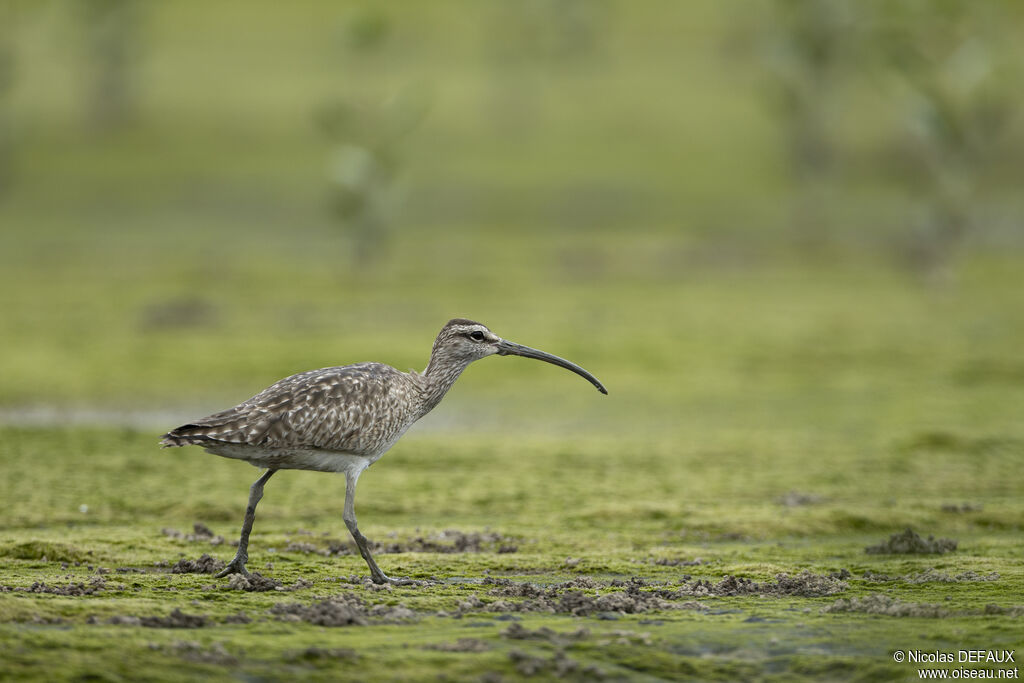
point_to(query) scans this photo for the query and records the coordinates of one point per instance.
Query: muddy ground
(593, 558)
(635, 618)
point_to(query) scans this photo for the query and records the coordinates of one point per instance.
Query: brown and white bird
(343, 419)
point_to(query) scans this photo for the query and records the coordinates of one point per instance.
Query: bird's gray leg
(237, 565)
(364, 547)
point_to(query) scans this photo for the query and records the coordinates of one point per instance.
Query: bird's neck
(437, 379)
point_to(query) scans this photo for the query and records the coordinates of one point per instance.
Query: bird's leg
(364, 547)
(237, 565)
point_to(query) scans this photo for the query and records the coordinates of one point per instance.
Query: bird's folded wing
(336, 409)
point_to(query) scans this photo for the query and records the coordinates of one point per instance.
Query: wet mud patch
(206, 564)
(909, 542)
(347, 609)
(567, 598)
(932, 575)
(877, 603)
(806, 584)
(200, 534)
(638, 595)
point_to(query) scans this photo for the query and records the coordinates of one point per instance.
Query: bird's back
(359, 409)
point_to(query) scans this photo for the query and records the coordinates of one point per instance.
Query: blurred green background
(738, 215)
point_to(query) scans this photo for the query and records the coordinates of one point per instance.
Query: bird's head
(462, 341)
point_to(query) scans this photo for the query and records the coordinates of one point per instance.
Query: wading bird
(343, 419)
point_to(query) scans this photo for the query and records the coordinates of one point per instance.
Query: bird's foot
(383, 578)
(236, 566)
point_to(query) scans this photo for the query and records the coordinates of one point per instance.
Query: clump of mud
(200, 534)
(630, 601)
(908, 542)
(567, 598)
(339, 548)
(640, 595)
(253, 583)
(637, 581)
(510, 589)
(176, 619)
(347, 609)
(586, 582)
(315, 654)
(448, 541)
(460, 645)
(516, 631)
(95, 585)
(932, 575)
(876, 603)
(809, 585)
(514, 589)
(676, 562)
(116, 620)
(559, 666)
(451, 541)
(805, 584)
(206, 564)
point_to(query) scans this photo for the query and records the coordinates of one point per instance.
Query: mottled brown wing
(344, 409)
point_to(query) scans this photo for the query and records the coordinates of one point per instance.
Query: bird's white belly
(295, 458)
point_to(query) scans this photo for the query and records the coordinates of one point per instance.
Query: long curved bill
(507, 348)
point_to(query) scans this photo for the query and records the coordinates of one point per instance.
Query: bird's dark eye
(476, 335)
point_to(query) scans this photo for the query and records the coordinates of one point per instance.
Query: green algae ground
(775, 408)
(578, 560)
(709, 519)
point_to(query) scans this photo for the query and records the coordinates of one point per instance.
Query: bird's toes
(384, 579)
(401, 581)
(233, 568)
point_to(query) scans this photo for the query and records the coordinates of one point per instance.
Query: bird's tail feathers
(219, 428)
